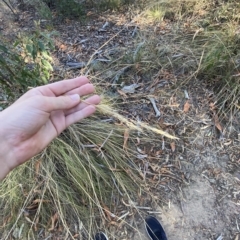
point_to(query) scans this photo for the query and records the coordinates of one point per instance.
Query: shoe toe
(154, 229)
(100, 236)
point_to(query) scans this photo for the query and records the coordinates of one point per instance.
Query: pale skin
(40, 115)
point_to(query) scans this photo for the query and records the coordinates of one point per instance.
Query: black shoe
(100, 236)
(154, 229)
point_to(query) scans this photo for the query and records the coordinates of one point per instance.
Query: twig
(89, 146)
(107, 120)
(220, 237)
(146, 208)
(134, 31)
(72, 65)
(48, 237)
(170, 176)
(186, 94)
(163, 144)
(237, 225)
(138, 121)
(146, 166)
(152, 100)
(153, 212)
(124, 215)
(9, 6)
(105, 25)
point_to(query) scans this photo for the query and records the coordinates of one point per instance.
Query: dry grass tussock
(68, 188)
(198, 39)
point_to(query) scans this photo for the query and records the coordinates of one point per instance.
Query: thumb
(49, 104)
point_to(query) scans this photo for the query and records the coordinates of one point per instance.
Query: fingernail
(75, 97)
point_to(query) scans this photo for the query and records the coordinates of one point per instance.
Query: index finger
(61, 87)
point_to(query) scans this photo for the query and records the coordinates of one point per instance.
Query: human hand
(40, 115)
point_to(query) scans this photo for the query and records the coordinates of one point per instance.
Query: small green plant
(156, 12)
(27, 62)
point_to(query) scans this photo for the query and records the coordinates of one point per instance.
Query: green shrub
(27, 62)
(63, 8)
(66, 8)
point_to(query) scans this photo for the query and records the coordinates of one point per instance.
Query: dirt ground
(206, 205)
(199, 215)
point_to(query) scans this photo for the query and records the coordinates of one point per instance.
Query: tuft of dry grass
(72, 187)
(80, 175)
(197, 39)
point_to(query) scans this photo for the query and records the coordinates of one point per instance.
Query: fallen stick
(152, 100)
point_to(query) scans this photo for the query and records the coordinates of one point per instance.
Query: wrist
(5, 159)
(5, 154)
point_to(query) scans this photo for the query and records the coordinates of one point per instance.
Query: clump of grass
(72, 187)
(219, 63)
(157, 12)
(81, 172)
(203, 43)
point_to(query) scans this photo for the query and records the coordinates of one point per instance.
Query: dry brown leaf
(229, 142)
(159, 152)
(174, 105)
(37, 166)
(6, 220)
(63, 47)
(114, 223)
(40, 201)
(164, 170)
(90, 13)
(126, 136)
(122, 93)
(187, 106)
(173, 146)
(161, 124)
(35, 224)
(31, 207)
(217, 123)
(107, 212)
(212, 106)
(155, 167)
(54, 218)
